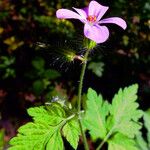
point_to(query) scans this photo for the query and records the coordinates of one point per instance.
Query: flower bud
(89, 44)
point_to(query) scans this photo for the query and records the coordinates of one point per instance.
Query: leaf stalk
(105, 139)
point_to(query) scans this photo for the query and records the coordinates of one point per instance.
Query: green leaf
(95, 116)
(56, 142)
(121, 142)
(36, 135)
(125, 113)
(72, 131)
(128, 128)
(38, 87)
(45, 132)
(97, 68)
(51, 74)
(141, 143)
(51, 115)
(32, 136)
(147, 125)
(2, 143)
(121, 119)
(38, 63)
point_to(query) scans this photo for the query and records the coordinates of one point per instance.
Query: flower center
(91, 19)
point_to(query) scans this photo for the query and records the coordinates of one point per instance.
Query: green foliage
(3, 15)
(38, 63)
(44, 76)
(56, 25)
(40, 70)
(38, 87)
(1, 139)
(98, 109)
(118, 120)
(51, 74)
(6, 68)
(45, 130)
(124, 112)
(147, 125)
(71, 132)
(121, 142)
(26, 22)
(142, 143)
(97, 68)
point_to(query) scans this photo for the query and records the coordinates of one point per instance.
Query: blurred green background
(34, 50)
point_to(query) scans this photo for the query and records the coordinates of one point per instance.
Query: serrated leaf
(45, 132)
(141, 143)
(56, 109)
(56, 142)
(95, 116)
(128, 128)
(32, 136)
(71, 132)
(52, 115)
(147, 125)
(37, 135)
(124, 111)
(121, 142)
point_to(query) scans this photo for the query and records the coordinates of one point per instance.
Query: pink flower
(91, 17)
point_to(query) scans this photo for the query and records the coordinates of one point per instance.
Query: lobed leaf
(119, 119)
(56, 142)
(31, 136)
(147, 125)
(71, 132)
(125, 113)
(95, 116)
(141, 143)
(45, 132)
(52, 114)
(121, 142)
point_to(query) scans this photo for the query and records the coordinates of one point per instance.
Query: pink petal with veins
(97, 33)
(67, 14)
(95, 9)
(115, 20)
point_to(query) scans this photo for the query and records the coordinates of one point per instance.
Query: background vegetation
(34, 66)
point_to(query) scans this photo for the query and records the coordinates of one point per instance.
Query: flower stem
(86, 147)
(79, 98)
(81, 80)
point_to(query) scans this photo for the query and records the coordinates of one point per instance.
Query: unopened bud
(89, 44)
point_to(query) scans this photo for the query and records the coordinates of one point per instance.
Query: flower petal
(67, 14)
(95, 9)
(116, 20)
(86, 9)
(81, 12)
(97, 33)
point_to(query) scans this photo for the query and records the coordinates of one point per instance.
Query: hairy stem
(86, 147)
(79, 97)
(81, 80)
